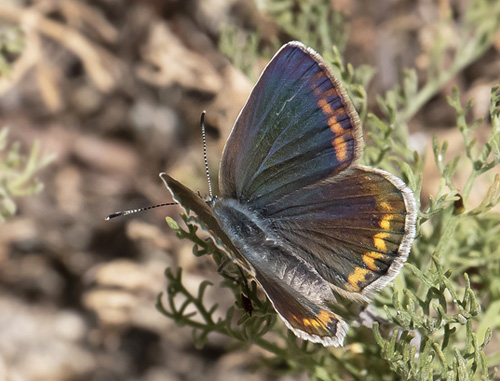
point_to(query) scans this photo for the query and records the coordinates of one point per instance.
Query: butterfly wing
(190, 201)
(297, 127)
(355, 229)
(309, 319)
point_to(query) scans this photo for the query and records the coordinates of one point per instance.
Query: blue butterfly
(296, 211)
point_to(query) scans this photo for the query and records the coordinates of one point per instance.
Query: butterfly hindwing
(298, 127)
(355, 229)
(310, 320)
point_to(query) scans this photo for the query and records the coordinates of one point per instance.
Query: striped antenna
(132, 211)
(203, 133)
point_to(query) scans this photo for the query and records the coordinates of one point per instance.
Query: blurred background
(100, 96)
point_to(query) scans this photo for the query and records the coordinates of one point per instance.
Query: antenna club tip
(113, 215)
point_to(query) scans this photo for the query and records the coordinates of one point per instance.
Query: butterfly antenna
(132, 211)
(204, 135)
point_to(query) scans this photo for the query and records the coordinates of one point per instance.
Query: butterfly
(295, 210)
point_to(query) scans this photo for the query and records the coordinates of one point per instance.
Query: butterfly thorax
(244, 226)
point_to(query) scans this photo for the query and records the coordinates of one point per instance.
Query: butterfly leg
(242, 281)
(222, 266)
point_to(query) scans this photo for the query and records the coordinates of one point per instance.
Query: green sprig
(17, 173)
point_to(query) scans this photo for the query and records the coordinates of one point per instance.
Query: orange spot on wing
(326, 316)
(358, 276)
(374, 254)
(331, 92)
(320, 74)
(385, 223)
(322, 320)
(385, 206)
(369, 259)
(325, 106)
(339, 111)
(379, 241)
(311, 323)
(340, 149)
(335, 127)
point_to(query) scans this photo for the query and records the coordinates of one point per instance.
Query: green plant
(313, 22)
(444, 307)
(11, 43)
(17, 173)
(17, 170)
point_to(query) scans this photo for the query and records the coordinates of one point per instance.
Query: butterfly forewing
(190, 201)
(297, 128)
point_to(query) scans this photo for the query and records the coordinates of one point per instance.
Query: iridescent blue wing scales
(298, 127)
